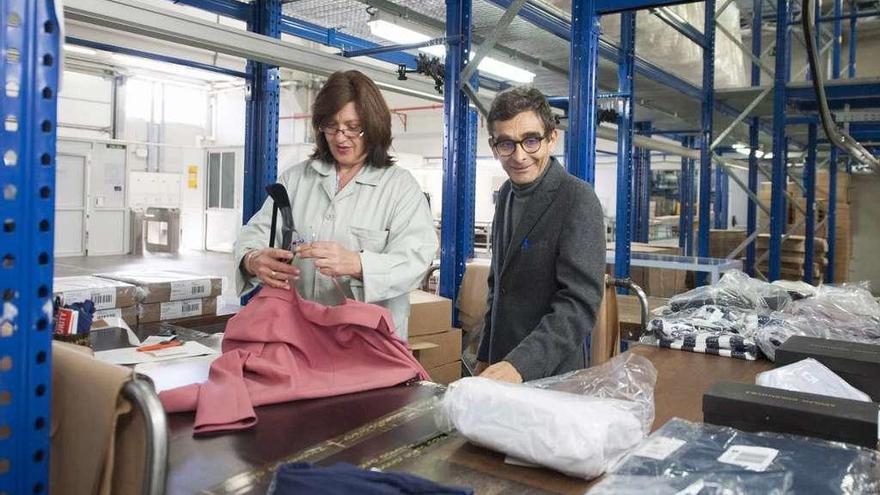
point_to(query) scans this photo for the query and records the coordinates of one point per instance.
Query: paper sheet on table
(178, 373)
(130, 355)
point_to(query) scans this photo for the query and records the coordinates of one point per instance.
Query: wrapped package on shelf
(174, 310)
(104, 293)
(578, 423)
(665, 47)
(165, 286)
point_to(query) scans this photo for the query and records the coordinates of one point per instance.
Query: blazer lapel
(535, 208)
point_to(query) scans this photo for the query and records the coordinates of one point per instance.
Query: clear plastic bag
(578, 423)
(778, 483)
(684, 450)
(842, 312)
(810, 376)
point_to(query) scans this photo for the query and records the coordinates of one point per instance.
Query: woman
(368, 222)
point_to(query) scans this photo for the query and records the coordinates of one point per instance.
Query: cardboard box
(857, 363)
(106, 294)
(429, 313)
(446, 374)
(164, 286)
(129, 315)
(755, 408)
(472, 301)
(173, 310)
(448, 348)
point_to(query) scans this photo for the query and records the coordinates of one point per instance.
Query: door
(70, 205)
(222, 213)
(106, 216)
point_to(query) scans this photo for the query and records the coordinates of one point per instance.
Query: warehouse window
(221, 180)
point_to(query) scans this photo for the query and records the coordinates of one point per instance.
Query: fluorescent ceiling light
(742, 151)
(403, 35)
(79, 49)
(169, 68)
(740, 146)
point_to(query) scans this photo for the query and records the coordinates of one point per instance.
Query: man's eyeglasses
(331, 131)
(507, 147)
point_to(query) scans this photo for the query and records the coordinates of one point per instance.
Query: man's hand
(272, 266)
(332, 259)
(503, 371)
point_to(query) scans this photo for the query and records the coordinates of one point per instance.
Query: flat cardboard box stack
(656, 282)
(170, 295)
(111, 298)
(435, 343)
(792, 257)
(723, 242)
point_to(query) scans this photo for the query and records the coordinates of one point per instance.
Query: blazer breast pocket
(369, 239)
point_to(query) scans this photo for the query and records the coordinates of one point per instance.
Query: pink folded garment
(281, 347)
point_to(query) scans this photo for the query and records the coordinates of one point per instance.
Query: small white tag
(103, 298)
(180, 309)
(693, 489)
(659, 448)
(103, 314)
(169, 351)
(190, 289)
(749, 457)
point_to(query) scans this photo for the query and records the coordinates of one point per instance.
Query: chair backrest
(605, 338)
(109, 433)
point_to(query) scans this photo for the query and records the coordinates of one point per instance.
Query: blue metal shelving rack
(30, 47)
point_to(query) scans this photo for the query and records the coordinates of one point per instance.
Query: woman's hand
(332, 259)
(272, 266)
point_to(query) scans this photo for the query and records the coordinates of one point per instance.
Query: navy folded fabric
(345, 479)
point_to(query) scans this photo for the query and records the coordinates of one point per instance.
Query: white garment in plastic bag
(812, 377)
(573, 433)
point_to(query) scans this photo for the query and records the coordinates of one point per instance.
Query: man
(548, 250)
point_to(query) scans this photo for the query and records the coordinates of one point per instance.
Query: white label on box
(180, 309)
(103, 314)
(749, 457)
(190, 289)
(659, 448)
(103, 298)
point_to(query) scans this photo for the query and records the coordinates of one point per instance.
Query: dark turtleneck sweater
(517, 201)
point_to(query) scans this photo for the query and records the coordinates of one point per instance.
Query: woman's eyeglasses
(507, 147)
(331, 131)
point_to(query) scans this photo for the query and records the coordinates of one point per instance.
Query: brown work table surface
(345, 428)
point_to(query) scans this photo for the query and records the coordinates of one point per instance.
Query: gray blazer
(550, 282)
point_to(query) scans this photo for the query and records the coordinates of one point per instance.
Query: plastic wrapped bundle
(845, 312)
(810, 376)
(778, 483)
(683, 450)
(555, 424)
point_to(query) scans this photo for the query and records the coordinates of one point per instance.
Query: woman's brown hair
(352, 86)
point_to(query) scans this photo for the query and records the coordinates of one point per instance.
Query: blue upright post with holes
(642, 188)
(831, 272)
(810, 186)
(720, 198)
(851, 68)
(30, 43)
(777, 203)
(459, 134)
(685, 211)
(706, 131)
(581, 135)
(261, 119)
(754, 128)
(624, 145)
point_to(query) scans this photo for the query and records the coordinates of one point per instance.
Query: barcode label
(102, 298)
(749, 457)
(190, 289)
(180, 309)
(103, 314)
(659, 448)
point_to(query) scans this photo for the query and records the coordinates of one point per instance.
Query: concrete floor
(199, 262)
(866, 231)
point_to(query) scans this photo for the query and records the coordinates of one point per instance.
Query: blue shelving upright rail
(30, 48)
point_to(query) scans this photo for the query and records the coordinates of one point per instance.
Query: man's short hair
(512, 102)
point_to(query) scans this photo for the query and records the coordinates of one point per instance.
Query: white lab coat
(382, 213)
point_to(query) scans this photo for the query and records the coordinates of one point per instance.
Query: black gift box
(755, 408)
(855, 362)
